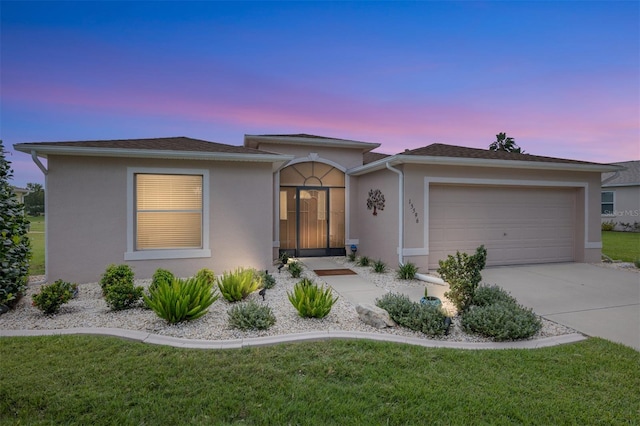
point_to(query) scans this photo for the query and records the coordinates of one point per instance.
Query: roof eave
(480, 162)
(253, 141)
(46, 150)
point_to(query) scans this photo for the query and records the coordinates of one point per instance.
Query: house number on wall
(413, 210)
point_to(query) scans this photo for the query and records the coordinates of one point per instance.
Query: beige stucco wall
(626, 205)
(347, 157)
(379, 235)
(87, 217)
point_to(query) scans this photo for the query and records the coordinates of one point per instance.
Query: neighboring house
(20, 193)
(620, 200)
(185, 204)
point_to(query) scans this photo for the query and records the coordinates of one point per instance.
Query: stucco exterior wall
(626, 205)
(347, 157)
(378, 235)
(87, 217)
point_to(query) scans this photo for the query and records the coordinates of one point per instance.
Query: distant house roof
(462, 156)
(18, 190)
(370, 157)
(628, 177)
(173, 148)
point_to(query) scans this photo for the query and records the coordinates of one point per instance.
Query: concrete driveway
(594, 300)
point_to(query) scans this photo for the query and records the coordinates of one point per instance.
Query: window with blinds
(168, 211)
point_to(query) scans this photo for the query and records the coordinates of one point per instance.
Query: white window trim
(131, 253)
(612, 202)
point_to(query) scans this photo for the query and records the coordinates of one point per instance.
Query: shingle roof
(179, 143)
(630, 176)
(442, 150)
(370, 157)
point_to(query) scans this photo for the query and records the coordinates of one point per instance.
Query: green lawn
(623, 246)
(36, 236)
(101, 380)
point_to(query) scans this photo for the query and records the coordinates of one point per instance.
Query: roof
(19, 190)
(178, 143)
(453, 151)
(254, 141)
(370, 157)
(441, 154)
(628, 177)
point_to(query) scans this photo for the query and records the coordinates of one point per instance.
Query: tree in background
(34, 200)
(504, 143)
(15, 250)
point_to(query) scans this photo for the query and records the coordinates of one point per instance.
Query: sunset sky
(562, 78)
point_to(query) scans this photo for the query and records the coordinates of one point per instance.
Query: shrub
(488, 295)
(182, 300)
(407, 271)
(379, 267)
(608, 225)
(161, 275)
(295, 269)
(501, 321)
(15, 249)
(352, 257)
(427, 319)
(237, 285)
(268, 281)
(52, 296)
(364, 261)
(399, 307)
(462, 273)
(251, 316)
(116, 274)
(122, 294)
(207, 275)
(637, 263)
(311, 300)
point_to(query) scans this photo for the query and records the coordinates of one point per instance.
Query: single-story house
(620, 202)
(185, 204)
(20, 193)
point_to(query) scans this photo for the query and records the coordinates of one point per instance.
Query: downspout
(400, 212)
(34, 157)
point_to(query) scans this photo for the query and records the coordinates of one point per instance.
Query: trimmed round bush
(251, 316)
(427, 319)
(52, 296)
(501, 321)
(488, 295)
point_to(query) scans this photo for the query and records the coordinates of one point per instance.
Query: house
(185, 204)
(620, 202)
(20, 193)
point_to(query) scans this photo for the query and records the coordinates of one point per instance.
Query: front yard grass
(624, 246)
(36, 237)
(101, 380)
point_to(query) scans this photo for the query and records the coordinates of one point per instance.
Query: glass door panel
(312, 218)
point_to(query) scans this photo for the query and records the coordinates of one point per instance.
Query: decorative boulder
(374, 316)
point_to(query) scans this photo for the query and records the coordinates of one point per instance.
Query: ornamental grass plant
(237, 285)
(181, 300)
(311, 300)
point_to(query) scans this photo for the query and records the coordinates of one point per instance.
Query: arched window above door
(311, 173)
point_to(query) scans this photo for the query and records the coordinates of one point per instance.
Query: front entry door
(312, 217)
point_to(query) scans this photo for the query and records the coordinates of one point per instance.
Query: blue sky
(562, 78)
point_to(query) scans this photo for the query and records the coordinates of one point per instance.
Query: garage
(517, 225)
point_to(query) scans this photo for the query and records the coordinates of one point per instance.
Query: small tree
(15, 250)
(462, 273)
(34, 200)
(504, 143)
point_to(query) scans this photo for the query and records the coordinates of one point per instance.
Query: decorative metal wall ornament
(375, 201)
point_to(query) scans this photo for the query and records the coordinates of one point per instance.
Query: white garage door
(516, 225)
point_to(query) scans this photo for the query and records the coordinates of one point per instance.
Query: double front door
(306, 222)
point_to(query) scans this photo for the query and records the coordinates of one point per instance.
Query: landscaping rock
(374, 316)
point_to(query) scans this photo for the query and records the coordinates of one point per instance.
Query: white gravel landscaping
(89, 309)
